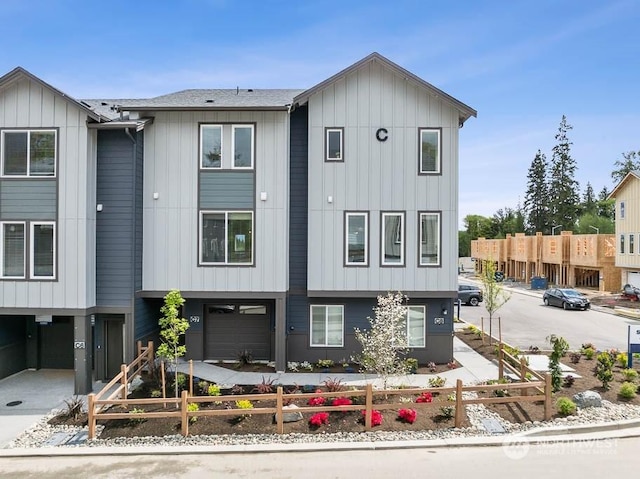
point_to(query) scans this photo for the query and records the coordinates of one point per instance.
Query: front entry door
(115, 346)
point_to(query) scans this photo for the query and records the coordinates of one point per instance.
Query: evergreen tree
(605, 206)
(563, 187)
(630, 162)
(536, 199)
(589, 200)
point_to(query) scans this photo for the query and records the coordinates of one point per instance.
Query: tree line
(553, 200)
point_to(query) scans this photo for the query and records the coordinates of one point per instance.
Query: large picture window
(242, 147)
(28, 153)
(211, 146)
(392, 239)
(226, 237)
(356, 239)
(430, 154)
(327, 325)
(429, 239)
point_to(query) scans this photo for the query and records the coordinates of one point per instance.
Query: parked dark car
(469, 294)
(566, 298)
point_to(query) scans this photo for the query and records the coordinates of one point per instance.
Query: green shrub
(156, 393)
(192, 407)
(437, 382)
(627, 390)
(324, 363)
(411, 365)
(565, 406)
(621, 360)
(630, 374)
(447, 412)
(589, 353)
(213, 390)
(135, 411)
(604, 369)
(560, 348)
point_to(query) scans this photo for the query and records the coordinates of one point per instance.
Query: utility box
(539, 282)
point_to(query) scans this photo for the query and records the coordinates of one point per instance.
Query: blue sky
(521, 64)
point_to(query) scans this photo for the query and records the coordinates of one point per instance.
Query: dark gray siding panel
(28, 199)
(13, 345)
(147, 313)
(138, 209)
(298, 200)
(227, 189)
(115, 223)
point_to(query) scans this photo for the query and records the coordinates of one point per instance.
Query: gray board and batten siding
(224, 190)
(24, 199)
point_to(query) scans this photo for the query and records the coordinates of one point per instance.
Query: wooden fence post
(547, 396)
(139, 348)
(482, 329)
(123, 370)
(191, 377)
(150, 352)
(459, 405)
(500, 362)
(279, 412)
(523, 375)
(91, 416)
(164, 383)
(368, 412)
(183, 411)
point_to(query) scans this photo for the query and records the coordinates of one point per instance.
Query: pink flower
(376, 417)
(425, 397)
(407, 415)
(341, 401)
(317, 401)
(319, 419)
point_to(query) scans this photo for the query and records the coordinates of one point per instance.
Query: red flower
(319, 419)
(317, 401)
(425, 397)
(376, 417)
(341, 401)
(407, 415)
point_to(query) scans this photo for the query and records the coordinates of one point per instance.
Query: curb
(621, 430)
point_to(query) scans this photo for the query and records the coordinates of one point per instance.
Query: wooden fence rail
(97, 407)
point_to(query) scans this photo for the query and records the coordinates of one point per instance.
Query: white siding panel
(379, 176)
(171, 222)
(26, 104)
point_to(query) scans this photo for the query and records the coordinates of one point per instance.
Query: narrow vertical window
(42, 250)
(429, 145)
(392, 239)
(356, 239)
(327, 325)
(429, 239)
(621, 244)
(631, 244)
(416, 337)
(622, 210)
(334, 144)
(242, 137)
(210, 146)
(13, 250)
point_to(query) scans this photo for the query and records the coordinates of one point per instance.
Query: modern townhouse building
(280, 215)
(627, 196)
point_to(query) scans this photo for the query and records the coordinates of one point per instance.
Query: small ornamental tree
(172, 328)
(560, 348)
(494, 294)
(385, 343)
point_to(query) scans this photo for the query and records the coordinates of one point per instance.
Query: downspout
(130, 322)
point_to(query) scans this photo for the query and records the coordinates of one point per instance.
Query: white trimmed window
(13, 250)
(622, 208)
(334, 144)
(430, 154)
(42, 250)
(29, 152)
(356, 239)
(392, 239)
(242, 146)
(632, 246)
(327, 325)
(621, 244)
(226, 238)
(210, 146)
(430, 239)
(416, 327)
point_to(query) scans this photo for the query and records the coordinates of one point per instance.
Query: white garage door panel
(634, 279)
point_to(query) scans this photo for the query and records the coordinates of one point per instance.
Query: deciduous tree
(630, 162)
(172, 328)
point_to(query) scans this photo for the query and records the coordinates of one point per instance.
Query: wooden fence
(97, 406)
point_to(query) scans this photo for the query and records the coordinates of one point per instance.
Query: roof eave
(624, 180)
(203, 108)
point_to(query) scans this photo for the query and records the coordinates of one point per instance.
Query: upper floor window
(327, 325)
(430, 239)
(242, 146)
(211, 146)
(42, 250)
(214, 154)
(622, 210)
(356, 239)
(334, 144)
(226, 237)
(392, 239)
(29, 152)
(430, 154)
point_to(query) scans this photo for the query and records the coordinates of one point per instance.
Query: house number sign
(382, 134)
(194, 319)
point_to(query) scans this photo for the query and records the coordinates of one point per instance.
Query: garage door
(634, 279)
(56, 343)
(231, 329)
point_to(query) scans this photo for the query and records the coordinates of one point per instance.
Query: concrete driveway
(38, 392)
